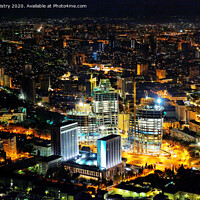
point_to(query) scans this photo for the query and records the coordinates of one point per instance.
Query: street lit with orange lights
(177, 155)
(21, 130)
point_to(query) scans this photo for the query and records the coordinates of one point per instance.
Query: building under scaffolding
(146, 133)
(87, 125)
(105, 108)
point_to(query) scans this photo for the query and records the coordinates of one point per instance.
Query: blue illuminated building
(95, 56)
(109, 151)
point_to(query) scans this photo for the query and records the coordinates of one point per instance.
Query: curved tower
(147, 136)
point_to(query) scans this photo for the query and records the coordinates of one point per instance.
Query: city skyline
(99, 8)
(100, 100)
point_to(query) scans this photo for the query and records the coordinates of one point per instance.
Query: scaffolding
(105, 108)
(146, 129)
(87, 123)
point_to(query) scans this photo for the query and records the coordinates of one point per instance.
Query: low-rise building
(194, 126)
(13, 116)
(42, 148)
(127, 190)
(47, 163)
(181, 135)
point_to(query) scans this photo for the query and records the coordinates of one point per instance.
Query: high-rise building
(10, 146)
(126, 85)
(105, 107)
(142, 69)
(87, 126)
(1, 76)
(180, 111)
(146, 136)
(64, 140)
(95, 56)
(28, 89)
(7, 81)
(109, 151)
(44, 82)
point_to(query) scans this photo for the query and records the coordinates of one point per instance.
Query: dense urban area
(100, 108)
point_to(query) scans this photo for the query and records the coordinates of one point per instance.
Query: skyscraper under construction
(105, 107)
(146, 133)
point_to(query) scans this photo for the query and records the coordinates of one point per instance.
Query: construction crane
(134, 113)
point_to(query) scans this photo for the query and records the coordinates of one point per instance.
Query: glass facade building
(147, 138)
(109, 151)
(64, 139)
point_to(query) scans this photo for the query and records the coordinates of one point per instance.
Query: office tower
(105, 107)
(109, 151)
(64, 140)
(126, 85)
(44, 82)
(147, 136)
(28, 89)
(10, 146)
(194, 72)
(142, 69)
(161, 73)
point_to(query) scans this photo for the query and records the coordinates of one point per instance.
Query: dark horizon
(103, 8)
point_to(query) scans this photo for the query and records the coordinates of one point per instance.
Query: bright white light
(83, 156)
(102, 127)
(39, 104)
(159, 101)
(81, 104)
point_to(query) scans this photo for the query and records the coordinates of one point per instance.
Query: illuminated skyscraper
(142, 69)
(28, 89)
(105, 107)
(147, 136)
(64, 140)
(87, 126)
(10, 146)
(109, 151)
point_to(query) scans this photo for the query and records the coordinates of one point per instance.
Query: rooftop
(50, 158)
(65, 123)
(109, 137)
(133, 188)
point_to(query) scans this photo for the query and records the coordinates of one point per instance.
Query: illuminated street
(20, 130)
(179, 156)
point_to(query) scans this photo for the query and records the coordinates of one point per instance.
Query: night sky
(108, 8)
